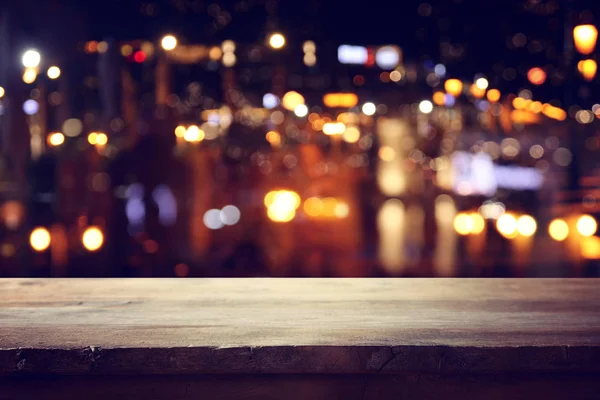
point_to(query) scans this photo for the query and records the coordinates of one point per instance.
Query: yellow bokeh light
(463, 224)
(341, 210)
(340, 100)
(29, 75)
(558, 230)
(282, 205)
(351, 134)
(39, 239)
(274, 138)
(101, 139)
(493, 95)
(180, 131)
(586, 225)
(526, 225)
(126, 50)
(585, 37)
(478, 223)
(386, 153)
(277, 41)
(453, 87)
(439, 98)
(53, 72)
(313, 207)
(168, 42)
(590, 248)
(329, 204)
(56, 139)
(277, 213)
(507, 226)
(291, 100)
(92, 238)
(92, 138)
(587, 69)
(334, 128)
(476, 92)
(215, 53)
(2, 92)
(193, 134)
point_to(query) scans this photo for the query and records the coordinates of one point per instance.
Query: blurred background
(196, 138)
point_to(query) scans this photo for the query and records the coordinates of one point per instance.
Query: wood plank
(333, 326)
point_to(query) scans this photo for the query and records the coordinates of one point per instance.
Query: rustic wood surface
(298, 326)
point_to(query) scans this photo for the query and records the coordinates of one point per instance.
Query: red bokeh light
(139, 56)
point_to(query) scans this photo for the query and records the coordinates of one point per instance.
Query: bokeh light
(276, 41)
(586, 225)
(507, 226)
(168, 42)
(92, 238)
(39, 239)
(558, 229)
(526, 225)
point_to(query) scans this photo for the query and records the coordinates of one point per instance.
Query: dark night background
(468, 36)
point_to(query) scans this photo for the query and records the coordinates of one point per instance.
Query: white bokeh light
(212, 219)
(369, 108)
(230, 215)
(31, 59)
(425, 106)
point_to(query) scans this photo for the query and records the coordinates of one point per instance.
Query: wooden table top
(175, 326)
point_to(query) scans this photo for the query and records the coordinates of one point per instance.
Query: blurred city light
(558, 230)
(463, 224)
(92, 138)
(536, 76)
(425, 107)
(29, 75)
(193, 134)
(31, 107)
(301, 110)
(291, 100)
(369, 108)
(276, 41)
(526, 225)
(587, 69)
(387, 57)
(212, 219)
(2, 92)
(270, 101)
(31, 59)
(585, 37)
(439, 98)
(586, 225)
(340, 100)
(230, 215)
(334, 128)
(53, 72)
(282, 205)
(92, 238)
(477, 223)
(56, 139)
(352, 54)
(351, 134)
(168, 42)
(453, 87)
(482, 83)
(507, 226)
(39, 239)
(493, 95)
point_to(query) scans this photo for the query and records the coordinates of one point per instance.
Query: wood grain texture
(298, 326)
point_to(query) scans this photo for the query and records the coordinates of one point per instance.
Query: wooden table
(299, 338)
